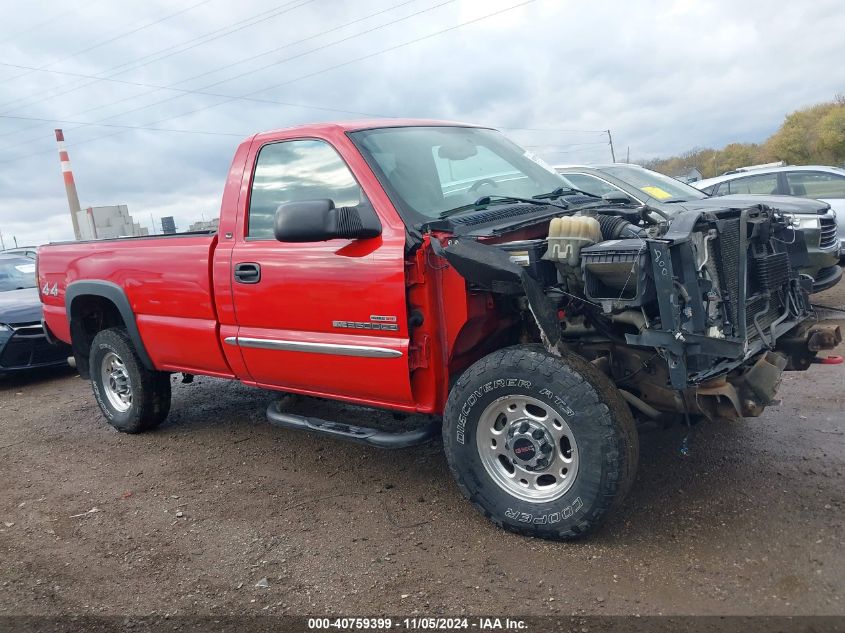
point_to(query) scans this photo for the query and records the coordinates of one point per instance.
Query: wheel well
(90, 314)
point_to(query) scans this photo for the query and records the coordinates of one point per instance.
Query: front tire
(133, 399)
(542, 445)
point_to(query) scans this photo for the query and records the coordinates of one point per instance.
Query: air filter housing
(616, 274)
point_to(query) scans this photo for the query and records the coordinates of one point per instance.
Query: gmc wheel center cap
(524, 449)
(529, 445)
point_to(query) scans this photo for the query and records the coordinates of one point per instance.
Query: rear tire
(542, 445)
(133, 399)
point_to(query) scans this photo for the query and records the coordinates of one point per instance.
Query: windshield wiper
(560, 191)
(486, 201)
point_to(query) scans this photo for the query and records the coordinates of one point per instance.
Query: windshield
(16, 273)
(429, 170)
(661, 188)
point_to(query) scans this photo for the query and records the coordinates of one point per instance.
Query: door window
(815, 184)
(765, 184)
(294, 171)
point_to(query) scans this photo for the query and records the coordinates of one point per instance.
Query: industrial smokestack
(70, 185)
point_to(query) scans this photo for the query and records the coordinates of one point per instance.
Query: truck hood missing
(708, 290)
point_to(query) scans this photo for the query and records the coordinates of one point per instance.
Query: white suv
(806, 181)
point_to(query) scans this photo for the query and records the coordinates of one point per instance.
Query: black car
(814, 218)
(23, 344)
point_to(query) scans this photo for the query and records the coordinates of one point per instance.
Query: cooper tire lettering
(544, 519)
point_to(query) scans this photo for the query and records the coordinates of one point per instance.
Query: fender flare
(117, 296)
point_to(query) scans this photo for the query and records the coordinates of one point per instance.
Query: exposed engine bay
(700, 313)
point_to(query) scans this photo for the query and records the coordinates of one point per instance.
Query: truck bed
(168, 282)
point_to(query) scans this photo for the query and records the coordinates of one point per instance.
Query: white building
(97, 223)
(205, 225)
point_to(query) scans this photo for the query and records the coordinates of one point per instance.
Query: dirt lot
(188, 519)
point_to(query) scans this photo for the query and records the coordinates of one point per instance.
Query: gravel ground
(192, 518)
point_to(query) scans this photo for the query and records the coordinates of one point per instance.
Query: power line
(363, 57)
(258, 100)
(201, 91)
(566, 146)
(246, 134)
(300, 41)
(181, 90)
(128, 127)
(287, 59)
(330, 68)
(573, 151)
(610, 141)
(38, 25)
(227, 98)
(116, 37)
(194, 42)
(535, 129)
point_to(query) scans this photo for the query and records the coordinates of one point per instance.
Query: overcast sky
(663, 76)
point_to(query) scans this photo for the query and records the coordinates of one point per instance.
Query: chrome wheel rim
(116, 382)
(527, 448)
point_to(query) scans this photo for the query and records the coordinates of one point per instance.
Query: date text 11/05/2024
(417, 623)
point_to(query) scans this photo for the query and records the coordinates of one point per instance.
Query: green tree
(797, 139)
(831, 135)
(736, 155)
(813, 135)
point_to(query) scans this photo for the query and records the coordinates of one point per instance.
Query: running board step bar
(360, 434)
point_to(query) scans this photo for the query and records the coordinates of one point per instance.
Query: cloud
(663, 76)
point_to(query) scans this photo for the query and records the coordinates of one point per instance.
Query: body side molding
(314, 348)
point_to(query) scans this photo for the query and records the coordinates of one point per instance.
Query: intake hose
(614, 227)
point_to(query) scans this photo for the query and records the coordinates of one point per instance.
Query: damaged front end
(698, 314)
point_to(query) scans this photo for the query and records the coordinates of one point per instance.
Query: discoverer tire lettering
(575, 391)
(486, 388)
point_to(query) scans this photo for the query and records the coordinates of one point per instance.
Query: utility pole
(2, 243)
(628, 156)
(70, 185)
(610, 140)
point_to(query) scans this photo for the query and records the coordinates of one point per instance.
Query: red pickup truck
(438, 268)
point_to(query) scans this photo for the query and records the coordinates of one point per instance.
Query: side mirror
(319, 221)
